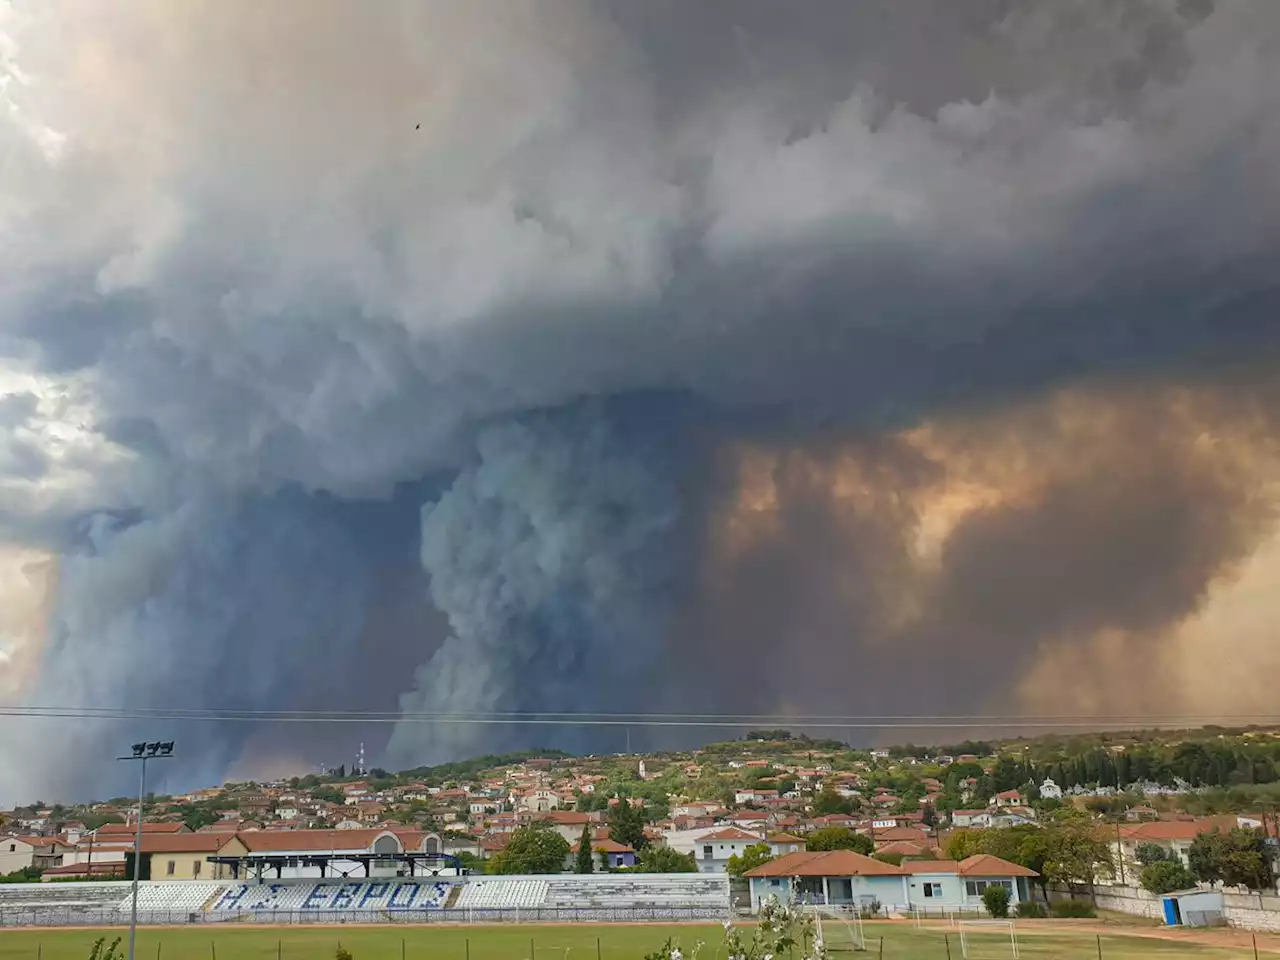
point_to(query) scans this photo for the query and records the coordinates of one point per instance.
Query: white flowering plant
(779, 929)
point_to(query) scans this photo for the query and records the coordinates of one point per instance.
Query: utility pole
(156, 750)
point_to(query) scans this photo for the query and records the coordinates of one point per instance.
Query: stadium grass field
(512, 942)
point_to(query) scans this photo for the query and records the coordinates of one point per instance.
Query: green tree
(929, 817)
(1075, 855)
(583, 862)
(839, 838)
(666, 860)
(828, 802)
(536, 848)
(626, 825)
(752, 857)
(1149, 853)
(996, 899)
(1206, 856)
(1166, 876)
(1240, 857)
(963, 844)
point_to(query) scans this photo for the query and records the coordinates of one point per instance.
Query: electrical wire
(569, 718)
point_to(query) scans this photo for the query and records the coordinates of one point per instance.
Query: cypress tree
(583, 864)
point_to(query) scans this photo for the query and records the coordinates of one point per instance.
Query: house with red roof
(843, 877)
(713, 849)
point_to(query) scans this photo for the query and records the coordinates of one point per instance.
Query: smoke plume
(581, 354)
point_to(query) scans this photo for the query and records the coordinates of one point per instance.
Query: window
(13, 847)
(933, 890)
(706, 852)
(169, 871)
(976, 888)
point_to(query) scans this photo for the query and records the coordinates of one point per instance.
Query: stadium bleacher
(594, 896)
(42, 904)
(173, 897)
(639, 890)
(331, 895)
(503, 894)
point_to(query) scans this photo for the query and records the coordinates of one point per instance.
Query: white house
(16, 853)
(1050, 790)
(1172, 836)
(973, 819)
(540, 801)
(842, 877)
(713, 848)
(780, 844)
(1009, 798)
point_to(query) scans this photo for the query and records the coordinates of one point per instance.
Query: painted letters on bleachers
(352, 895)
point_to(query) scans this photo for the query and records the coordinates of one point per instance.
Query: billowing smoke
(581, 354)
(554, 559)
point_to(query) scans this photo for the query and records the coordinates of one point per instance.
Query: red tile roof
(985, 865)
(830, 863)
(930, 866)
(131, 829)
(1165, 830)
(728, 834)
(605, 846)
(185, 842)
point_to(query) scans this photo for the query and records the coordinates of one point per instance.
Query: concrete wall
(1246, 911)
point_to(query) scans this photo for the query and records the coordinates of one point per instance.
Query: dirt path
(1224, 937)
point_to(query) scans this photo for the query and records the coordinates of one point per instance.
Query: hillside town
(729, 808)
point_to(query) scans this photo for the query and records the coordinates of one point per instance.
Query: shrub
(101, 951)
(1074, 909)
(996, 899)
(342, 954)
(1030, 910)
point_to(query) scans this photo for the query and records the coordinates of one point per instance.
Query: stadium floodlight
(153, 750)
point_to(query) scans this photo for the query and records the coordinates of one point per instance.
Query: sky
(901, 357)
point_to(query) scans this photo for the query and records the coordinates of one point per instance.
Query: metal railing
(56, 917)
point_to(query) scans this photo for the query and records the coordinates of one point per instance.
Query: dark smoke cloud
(1107, 510)
(303, 370)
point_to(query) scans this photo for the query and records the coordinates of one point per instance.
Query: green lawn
(513, 942)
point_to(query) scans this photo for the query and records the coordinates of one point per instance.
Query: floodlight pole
(147, 753)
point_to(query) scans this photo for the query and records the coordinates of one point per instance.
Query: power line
(815, 721)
